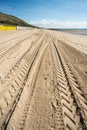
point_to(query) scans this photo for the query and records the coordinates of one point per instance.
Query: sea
(81, 31)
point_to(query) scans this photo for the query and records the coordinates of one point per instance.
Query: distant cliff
(12, 20)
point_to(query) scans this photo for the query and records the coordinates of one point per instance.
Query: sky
(48, 13)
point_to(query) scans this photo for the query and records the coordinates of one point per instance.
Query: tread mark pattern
(74, 104)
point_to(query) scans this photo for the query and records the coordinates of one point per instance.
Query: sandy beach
(43, 80)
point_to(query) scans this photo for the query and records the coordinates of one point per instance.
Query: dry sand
(43, 77)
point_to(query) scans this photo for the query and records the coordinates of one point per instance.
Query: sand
(43, 77)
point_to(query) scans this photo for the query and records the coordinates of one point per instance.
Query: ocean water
(77, 31)
(81, 31)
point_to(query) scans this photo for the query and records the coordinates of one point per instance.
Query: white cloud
(60, 24)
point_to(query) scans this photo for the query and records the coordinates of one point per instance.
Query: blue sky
(48, 13)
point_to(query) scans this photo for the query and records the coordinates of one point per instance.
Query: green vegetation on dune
(12, 20)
